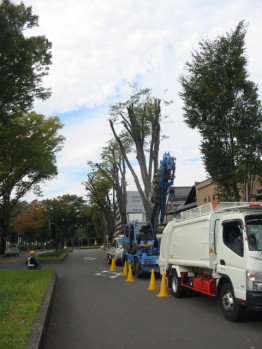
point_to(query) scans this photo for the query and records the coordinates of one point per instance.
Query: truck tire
(137, 268)
(232, 310)
(177, 290)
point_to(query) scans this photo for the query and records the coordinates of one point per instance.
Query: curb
(38, 331)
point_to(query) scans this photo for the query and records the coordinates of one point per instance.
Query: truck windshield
(144, 232)
(254, 232)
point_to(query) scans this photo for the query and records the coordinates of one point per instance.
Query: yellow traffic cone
(130, 275)
(125, 270)
(163, 289)
(152, 286)
(113, 265)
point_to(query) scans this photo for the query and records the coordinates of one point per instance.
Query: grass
(21, 294)
(53, 255)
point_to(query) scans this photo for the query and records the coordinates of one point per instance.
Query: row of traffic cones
(152, 286)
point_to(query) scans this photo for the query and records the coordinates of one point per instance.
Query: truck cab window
(254, 232)
(144, 232)
(233, 237)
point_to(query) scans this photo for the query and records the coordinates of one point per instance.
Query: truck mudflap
(254, 301)
(201, 283)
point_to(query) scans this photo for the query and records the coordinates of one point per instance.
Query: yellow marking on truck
(211, 250)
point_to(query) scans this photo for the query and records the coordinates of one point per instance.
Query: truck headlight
(257, 286)
(253, 282)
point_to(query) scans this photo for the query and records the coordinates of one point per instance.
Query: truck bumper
(148, 268)
(254, 301)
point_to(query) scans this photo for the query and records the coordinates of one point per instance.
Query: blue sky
(99, 46)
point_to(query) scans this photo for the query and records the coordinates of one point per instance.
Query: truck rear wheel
(231, 309)
(177, 289)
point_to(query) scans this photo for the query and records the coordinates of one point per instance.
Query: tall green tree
(68, 216)
(141, 118)
(24, 60)
(29, 143)
(222, 104)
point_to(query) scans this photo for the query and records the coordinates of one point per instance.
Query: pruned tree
(113, 167)
(222, 104)
(98, 192)
(141, 117)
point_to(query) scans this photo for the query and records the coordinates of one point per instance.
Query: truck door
(231, 255)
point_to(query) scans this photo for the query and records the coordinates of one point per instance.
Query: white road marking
(109, 274)
(90, 258)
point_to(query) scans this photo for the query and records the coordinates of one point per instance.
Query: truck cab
(140, 247)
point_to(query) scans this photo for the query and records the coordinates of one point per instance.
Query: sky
(101, 46)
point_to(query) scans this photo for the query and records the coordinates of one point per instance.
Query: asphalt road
(96, 308)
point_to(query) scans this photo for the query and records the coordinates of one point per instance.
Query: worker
(239, 244)
(32, 262)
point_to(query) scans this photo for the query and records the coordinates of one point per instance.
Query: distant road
(96, 308)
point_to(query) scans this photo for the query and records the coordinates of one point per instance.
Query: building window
(136, 198)
(136, 210)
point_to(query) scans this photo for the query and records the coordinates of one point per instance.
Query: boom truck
(216, 249)
(141, 246)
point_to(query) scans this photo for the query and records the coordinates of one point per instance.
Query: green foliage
(23, 61)
(21, 295)
(68, 214)
(28, 144)
(222, 104)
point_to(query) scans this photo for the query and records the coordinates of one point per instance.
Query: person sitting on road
(32, 262)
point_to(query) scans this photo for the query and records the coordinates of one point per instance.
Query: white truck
(203, 252)
(115, 250)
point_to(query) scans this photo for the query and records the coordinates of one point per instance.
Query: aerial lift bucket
(113, 265)
(152, 286)
(163, 288)
(130, 275)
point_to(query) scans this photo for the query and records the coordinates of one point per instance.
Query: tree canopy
(222, 104)
(24, 60)
(28, 146)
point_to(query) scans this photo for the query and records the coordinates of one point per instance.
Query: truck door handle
(222, 262)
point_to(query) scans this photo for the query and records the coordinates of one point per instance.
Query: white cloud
(100, 45)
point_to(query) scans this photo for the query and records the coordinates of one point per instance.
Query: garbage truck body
(216, 249)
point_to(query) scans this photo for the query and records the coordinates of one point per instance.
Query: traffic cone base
(163, 288)
(125, 270)
(152, 286)
(113, 265)
(130, 275)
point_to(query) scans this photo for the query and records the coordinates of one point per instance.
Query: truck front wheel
(232, 310)
(177, 289)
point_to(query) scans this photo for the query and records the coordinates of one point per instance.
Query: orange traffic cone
(152, 286)
(163, 288)
(113, 265)
(130, 275)
(125, 270)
